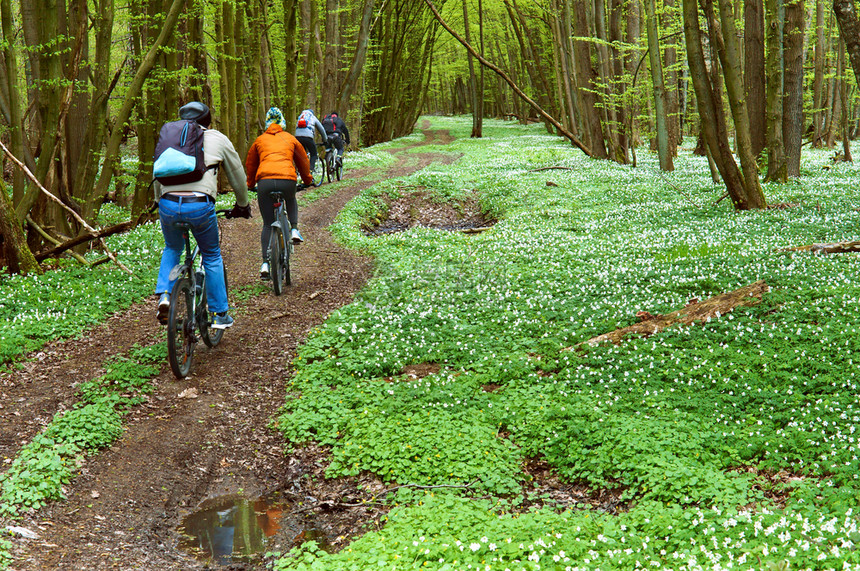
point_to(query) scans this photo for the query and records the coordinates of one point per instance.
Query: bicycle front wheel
(276, 257)
(180, 328)
(210, 336)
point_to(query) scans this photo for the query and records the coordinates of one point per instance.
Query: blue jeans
(204, 227)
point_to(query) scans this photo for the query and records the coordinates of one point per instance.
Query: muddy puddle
(234, 529)
(418, 210)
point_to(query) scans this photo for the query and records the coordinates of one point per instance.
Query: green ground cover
(690, 425)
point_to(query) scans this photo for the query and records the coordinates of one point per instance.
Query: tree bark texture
(665, 157)
(849, 30)
(776, 165)
(694, 312)
(754, 77)
(792, 117)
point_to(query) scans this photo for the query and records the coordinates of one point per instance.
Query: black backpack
(329, 125)
(179, 153)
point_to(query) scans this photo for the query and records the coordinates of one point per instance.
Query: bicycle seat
(182, 225)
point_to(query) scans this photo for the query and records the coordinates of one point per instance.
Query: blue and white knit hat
(274, 115)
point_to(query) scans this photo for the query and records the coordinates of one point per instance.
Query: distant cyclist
(338, 134)
(273, 162)
(306, 124)
(194, 203)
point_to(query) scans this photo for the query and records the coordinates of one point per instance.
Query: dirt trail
(126, 504)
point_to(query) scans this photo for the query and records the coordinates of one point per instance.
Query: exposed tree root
(695, 310)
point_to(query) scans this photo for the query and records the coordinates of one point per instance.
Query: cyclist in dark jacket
(337, 133)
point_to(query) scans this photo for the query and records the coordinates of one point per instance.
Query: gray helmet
(196, 111)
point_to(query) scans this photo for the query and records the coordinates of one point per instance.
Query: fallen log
(695, 310)
(59, 248)
(832, 248)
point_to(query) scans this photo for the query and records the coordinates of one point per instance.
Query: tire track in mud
(126, 503)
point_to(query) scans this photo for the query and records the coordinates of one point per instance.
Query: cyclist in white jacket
(306, 124)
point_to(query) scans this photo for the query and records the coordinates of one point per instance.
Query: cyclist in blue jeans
(194, 203)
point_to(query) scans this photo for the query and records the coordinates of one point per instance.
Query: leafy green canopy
(674, 421)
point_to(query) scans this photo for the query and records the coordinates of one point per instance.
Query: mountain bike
(280, 246)
(333, 167)
(189, 316)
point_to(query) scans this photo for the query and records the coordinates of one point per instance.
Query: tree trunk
(715, 137)
(754, 76)
(49, 63)
(586, 80)
(291, 61)
(666, 163)
(670, 83)
(473, 82)
(792, 118)
(241, 135)
(818, 97)
(616, 16)
(561, 32)
(313, 56)
(256, 33)
(199, 88)
(329, 82)
(478, 130)
(730, 59)
(96, 128)
(843, 96)
(776, 165)
(16, 119)
(19, 258)
(849, 30)
(227, 119)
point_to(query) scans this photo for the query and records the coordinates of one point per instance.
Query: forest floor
(125, 507)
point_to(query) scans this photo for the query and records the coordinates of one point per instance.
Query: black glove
(239, 212)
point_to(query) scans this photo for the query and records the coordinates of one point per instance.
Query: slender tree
(473, 80)
(792, 117)
(665, 156)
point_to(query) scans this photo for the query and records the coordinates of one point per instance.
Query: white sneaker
(163, 308)
(264, 271)
(296, 236)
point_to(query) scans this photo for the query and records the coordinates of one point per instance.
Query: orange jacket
(277, 154)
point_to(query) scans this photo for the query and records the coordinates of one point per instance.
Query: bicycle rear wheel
(210, 336)
(180, 328)
(329, 167)
(319, 172)
(276, 258)
(338, 168)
